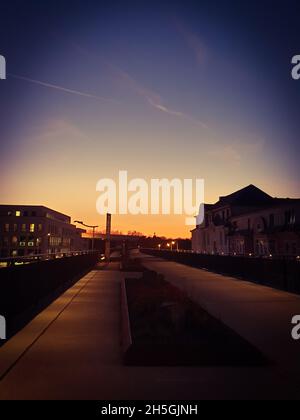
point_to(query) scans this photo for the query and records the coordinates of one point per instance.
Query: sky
(181, 89)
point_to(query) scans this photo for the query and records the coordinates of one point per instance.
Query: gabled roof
(248, 196)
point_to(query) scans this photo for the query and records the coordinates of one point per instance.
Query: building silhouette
(249, 222)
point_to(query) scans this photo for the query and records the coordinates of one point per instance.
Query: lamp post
(90, 227)
(48, 236)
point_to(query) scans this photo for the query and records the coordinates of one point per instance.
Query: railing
(280, 273)
(34, 258)
(216, 254)
(25, 287)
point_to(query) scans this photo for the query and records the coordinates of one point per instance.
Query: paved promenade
(72, 349)
(260, 314)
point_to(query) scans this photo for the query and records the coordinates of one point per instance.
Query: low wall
(278, 273)
(126, 339)
(23, 287)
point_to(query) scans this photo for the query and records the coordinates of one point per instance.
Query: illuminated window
(32, 227)
(23, 228)
(18, 213)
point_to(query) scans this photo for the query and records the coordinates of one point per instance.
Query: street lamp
(48, 236)
(88, 226)
(172, 244)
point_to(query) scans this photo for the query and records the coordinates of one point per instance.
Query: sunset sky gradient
(161, 89)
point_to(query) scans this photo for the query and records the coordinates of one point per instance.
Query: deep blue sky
(180, 88)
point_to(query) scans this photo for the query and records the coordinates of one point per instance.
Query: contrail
(152, 98)
(175, 113)
(61, 88)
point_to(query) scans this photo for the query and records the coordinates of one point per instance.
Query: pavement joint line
(13, 365)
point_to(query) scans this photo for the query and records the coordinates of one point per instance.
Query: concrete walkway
(260, 314)
(72, 351)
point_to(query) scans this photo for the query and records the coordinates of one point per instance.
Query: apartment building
(33, 230)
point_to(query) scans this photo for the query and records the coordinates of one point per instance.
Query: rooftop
(248, 196)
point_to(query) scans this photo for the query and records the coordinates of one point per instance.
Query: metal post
(108, 234)
(93, 240)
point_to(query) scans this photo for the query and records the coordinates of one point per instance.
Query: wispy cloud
(179, 114)
(152, 98)
(61, 88)
(227, 153)
(193, 41)
(238, 151)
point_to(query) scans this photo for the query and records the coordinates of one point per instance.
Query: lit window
(23, 228)
(32, 227)
(18, 213)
